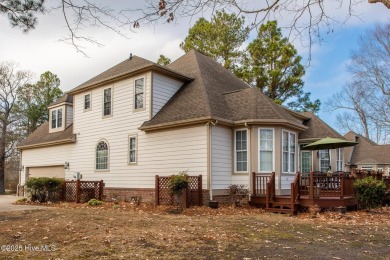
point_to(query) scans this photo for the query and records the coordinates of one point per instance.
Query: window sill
(108, 116)
(240, 173)
(102, 170)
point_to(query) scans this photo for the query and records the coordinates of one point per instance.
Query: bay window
(266, 150)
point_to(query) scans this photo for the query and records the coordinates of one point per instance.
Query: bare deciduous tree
(11, 81)
(366, 100)
(307, 19)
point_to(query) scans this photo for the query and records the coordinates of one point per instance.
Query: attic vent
(131, 56)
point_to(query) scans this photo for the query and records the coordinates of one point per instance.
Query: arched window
(102, 156)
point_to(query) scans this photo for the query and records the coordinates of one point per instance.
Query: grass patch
(80, 231)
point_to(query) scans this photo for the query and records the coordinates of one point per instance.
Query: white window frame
(90, 101)
(273, 149)
(143, 95)
(135, 150)
(108, 156)
(319, 159)
(289, 152)
(111, 102)
(340, 159)
(235, 150)
(56, 118)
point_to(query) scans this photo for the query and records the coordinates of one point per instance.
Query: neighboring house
(367, 155)
(139, 119)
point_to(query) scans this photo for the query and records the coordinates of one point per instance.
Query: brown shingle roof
(66, 98)
(367, 151)
(317, 128)
(127, 67)
(216, 93)
(42, 137)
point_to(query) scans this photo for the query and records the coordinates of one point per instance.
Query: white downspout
(211, 124)
(249, 161)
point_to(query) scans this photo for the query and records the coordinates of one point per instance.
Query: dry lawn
(126, 232)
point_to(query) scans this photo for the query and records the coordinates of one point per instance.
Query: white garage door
(49, 171)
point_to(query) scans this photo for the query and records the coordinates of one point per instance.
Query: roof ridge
(203, 88)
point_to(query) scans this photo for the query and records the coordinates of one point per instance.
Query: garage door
(49, 171)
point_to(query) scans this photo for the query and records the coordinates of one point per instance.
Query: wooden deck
(314, 189)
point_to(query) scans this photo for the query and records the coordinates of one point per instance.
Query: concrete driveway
(7, 200)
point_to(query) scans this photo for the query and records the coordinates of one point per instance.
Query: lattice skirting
(148, 195)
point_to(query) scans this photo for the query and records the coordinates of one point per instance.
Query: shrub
(236, 193)
(370, 192)
(44, 189)
(95, 202)
(177, 184)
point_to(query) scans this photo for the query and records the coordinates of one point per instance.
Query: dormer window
(56, 118)
(139, 93)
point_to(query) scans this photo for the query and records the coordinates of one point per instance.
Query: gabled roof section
(41, 137)
(66, 98)
(367, 151)
(127, 68)
(215, 93)
(317, 129)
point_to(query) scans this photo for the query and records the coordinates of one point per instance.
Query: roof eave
(45, 144)
(115, 78)
(60, 104)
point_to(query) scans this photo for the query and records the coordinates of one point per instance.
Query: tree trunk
(2, 153)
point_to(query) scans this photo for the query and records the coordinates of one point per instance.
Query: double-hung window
(107, 102)
(340, 159)
(266, 150)
(241, 151)
(139, 93)
(87, 101)
(56, 118)
(289, 140)
(132, 149)
(324, 160)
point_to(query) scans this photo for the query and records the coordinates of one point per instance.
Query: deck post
(311, 185)
(341, 185)
(156, 191)
(101, 187)
(253, 184)
(78, 191)
(200, 194)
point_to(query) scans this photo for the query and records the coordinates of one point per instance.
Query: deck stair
(282, 204)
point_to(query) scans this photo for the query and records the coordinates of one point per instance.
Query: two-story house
(139, 119)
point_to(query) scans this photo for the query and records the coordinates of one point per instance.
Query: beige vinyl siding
(48, 156)
(158, 153)
(163, 89)
(69, 116)
(221, 157)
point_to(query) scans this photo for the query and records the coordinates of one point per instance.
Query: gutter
(65, 141)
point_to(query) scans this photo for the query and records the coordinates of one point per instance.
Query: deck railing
(317, 185)
(259, 183)
(295, 189)
(270, 192)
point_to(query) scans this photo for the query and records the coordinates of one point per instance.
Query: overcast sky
(41, 50)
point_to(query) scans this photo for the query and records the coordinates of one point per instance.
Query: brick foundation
(148, 195)
(125, 194)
